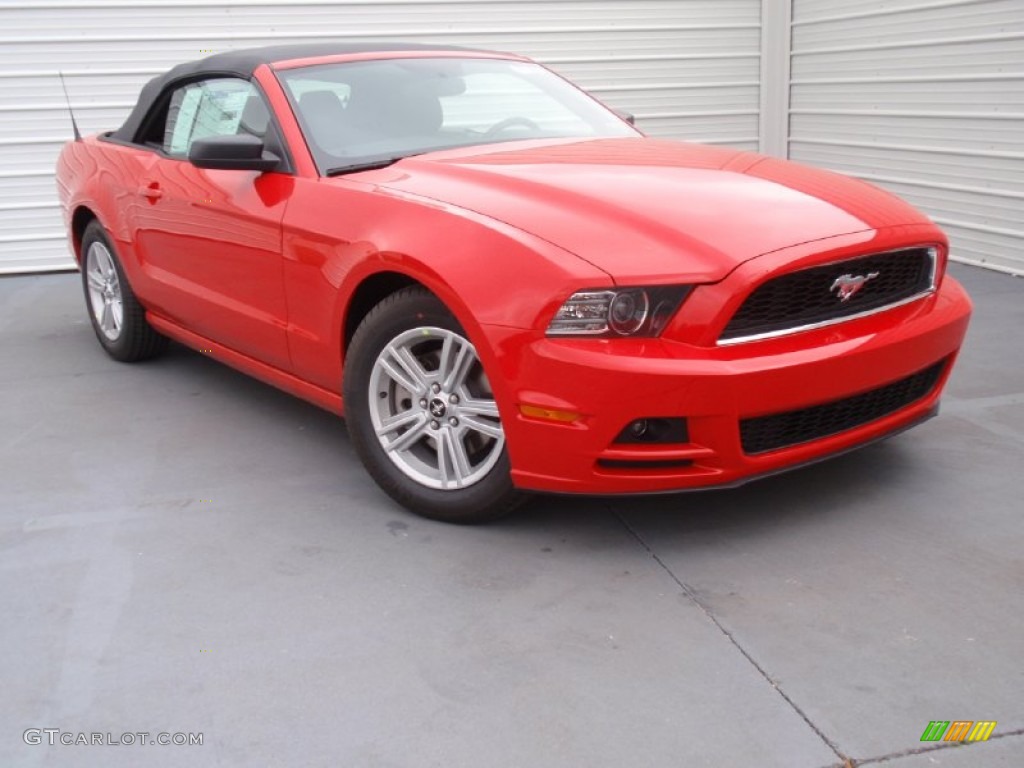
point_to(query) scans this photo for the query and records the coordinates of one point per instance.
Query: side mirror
(242, 152)
(629, 117)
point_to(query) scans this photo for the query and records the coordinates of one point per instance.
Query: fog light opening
(655, 431)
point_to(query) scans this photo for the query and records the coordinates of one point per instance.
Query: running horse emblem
(846, 286)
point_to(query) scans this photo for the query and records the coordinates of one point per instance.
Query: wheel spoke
(107, 319)
(395, 423)
(483, 427)
(413, 365)
(394, 364)
(460, 457)
(452, 460)
(95, 278)
(117, 314)
(472, 405)
(447, 349)
(103, 262)
(408, 438)
(455, 367)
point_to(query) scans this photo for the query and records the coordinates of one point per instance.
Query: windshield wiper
(368, 165)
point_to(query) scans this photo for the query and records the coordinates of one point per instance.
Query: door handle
(152, 191)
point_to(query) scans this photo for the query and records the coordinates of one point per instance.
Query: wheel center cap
(437, 408)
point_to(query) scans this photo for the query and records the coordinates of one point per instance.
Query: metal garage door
(687, 68)
(925, 99)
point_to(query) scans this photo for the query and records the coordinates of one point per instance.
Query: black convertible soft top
(243, 63)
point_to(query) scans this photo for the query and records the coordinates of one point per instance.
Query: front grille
(780, 430)
(811, 296)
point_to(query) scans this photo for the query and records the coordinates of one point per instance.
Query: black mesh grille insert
(812, 295)
(779, 430)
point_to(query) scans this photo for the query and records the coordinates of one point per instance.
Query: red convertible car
(500, 283)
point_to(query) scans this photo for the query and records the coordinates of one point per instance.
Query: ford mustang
(500, 283)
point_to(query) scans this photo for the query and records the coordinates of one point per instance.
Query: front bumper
(612, 382)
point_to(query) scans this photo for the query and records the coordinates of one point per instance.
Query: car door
(209, 241)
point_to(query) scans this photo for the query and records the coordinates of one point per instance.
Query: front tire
(421, 413)
(117, 317)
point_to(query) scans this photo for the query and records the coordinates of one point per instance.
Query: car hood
(647, 209)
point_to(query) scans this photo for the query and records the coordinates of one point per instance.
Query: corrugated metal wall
(687, 68)
(925, 99)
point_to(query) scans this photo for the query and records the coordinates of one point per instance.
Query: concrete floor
(187, 550)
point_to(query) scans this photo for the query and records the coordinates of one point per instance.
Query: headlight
(618, 311)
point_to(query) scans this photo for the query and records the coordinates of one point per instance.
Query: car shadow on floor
(784, 502)
(205, 373)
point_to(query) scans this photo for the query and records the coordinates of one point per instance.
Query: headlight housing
(618, 312)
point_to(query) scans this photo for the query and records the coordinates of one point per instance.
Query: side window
(218, 107)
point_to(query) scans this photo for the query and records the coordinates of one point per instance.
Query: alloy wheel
(433, 410)
(105, 298)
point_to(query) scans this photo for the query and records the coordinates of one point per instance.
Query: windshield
(363, 114)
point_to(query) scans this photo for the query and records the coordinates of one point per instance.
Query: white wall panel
(950, 131)
(925, 99)
(989, 170)
(686, 68)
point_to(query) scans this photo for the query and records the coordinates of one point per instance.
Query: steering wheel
(511, 122)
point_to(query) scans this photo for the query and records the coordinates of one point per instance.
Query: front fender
(339, 233)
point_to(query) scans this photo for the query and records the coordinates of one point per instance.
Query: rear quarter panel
(104, 177)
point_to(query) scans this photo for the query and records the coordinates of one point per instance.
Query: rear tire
(118, 319)
(421, 413)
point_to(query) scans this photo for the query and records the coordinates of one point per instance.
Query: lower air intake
(781, 430)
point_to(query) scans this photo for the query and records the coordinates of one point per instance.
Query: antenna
(74, 125)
